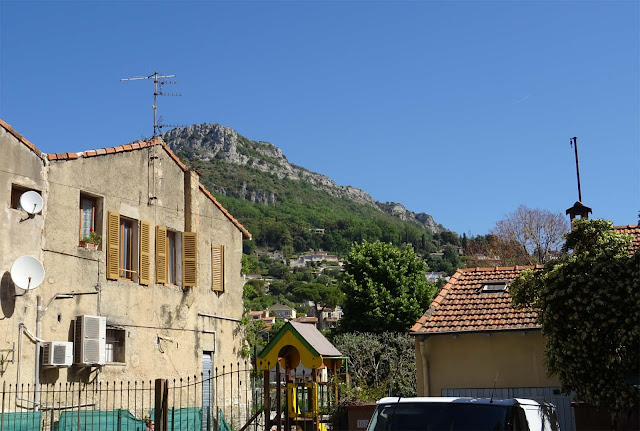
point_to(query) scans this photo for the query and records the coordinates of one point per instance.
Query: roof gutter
(475, 331)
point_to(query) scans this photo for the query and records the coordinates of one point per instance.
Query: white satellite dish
(31, 202)
(27, 272)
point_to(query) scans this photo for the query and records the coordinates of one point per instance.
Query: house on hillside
(136, 253)
(282, 312)
(471, 339)
(313, 256)
(328, 317)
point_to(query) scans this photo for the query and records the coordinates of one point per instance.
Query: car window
(441, 417)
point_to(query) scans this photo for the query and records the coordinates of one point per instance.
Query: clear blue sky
(463, 110)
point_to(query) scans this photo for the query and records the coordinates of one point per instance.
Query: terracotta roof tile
(462, 306)
(634, 231)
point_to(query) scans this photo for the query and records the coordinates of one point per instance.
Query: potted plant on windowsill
(91, 242)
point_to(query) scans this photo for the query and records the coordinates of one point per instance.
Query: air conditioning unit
(90, 340)
(57, 354)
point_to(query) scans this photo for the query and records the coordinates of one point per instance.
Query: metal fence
(223, 399)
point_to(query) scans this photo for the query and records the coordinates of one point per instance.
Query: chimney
(578, 210)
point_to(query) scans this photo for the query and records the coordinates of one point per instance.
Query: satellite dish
(31, 202)
(27, 272)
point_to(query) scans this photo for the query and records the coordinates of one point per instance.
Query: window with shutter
(217, 267)
(145, 252)
(113, 245)
(189, 259)
(161, 254)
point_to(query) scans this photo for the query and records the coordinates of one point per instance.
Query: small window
(494, 286)
(115, 340)
(90, 219)
(16, 192)
(127, 248)
(171, 257)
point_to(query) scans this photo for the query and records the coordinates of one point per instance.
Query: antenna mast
(158, 82)
(574, 143)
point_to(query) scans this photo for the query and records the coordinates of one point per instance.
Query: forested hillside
(291, 209)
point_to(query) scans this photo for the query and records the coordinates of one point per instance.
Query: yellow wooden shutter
(217, 267)
(161, 254)
(189, 259)
(145, 252)
(113, 245)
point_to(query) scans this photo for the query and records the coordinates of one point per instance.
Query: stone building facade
(165, 275)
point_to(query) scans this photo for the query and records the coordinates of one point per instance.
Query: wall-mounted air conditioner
(57, 354)
(90, 340)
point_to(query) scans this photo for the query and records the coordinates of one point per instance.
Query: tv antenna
(158, 82)
(574, 143)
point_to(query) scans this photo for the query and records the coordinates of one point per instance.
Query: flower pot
(89, 245)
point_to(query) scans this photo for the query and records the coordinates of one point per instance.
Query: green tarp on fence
(23, 421)
(187, 419)
(90, 420)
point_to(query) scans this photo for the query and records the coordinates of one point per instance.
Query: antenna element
(158, 82)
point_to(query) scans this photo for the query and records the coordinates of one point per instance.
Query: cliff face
(213, 142)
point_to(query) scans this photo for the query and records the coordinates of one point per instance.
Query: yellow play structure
(301, 366)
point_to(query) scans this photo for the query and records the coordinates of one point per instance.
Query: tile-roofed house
(471, 339)
(164, 261)
(462, 305)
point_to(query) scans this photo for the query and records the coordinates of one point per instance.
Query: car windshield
(440, 417)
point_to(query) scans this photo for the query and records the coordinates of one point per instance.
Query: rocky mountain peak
(214, 141)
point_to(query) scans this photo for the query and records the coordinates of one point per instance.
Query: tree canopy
(537, 232)
(380, 365)
(385, 288)
(588, 305)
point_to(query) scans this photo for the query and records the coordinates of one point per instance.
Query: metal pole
(575, 147)
(155, 102)
(39, 313)
(267, 399)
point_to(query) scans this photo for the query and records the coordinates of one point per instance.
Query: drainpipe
(36, 385)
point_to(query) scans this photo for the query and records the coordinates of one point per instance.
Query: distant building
(257, 315)
(313, 256)
(282, 312)
(275, 255)
(328, 318)
(307, 319)
(433, 277)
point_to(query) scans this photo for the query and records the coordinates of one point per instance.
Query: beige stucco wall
(166, 332)
(472, 360)
(19, 235)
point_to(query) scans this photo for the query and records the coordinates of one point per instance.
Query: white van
(462, 414)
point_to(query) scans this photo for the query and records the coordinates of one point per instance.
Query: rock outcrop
(213, 141)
